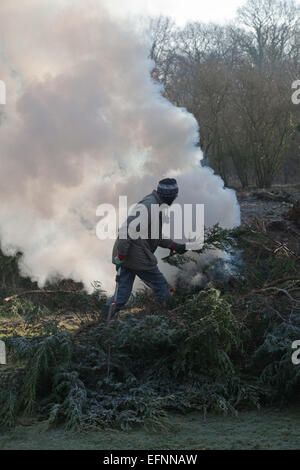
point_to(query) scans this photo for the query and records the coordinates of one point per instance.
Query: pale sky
(181, 10)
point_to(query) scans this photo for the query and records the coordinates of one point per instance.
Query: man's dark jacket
(139, 254)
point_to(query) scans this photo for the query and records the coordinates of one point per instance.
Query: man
(136, 257)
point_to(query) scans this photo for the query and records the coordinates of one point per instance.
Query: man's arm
(125, 235)
(173, 246)
(167, 243)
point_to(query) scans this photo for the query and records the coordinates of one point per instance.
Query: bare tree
(270, 30)
(236, 80)
(258, 123)
(163, 48)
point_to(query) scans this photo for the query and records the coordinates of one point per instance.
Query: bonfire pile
(224, 347)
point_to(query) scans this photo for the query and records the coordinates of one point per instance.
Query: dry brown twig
(45, 292)
(273, 287)
(281, 291)
(260, 228)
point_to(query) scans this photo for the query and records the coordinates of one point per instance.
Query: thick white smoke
(85, 123)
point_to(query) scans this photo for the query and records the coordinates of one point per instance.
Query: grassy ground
(252, 430)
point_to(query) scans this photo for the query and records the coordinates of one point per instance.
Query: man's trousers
(153, 279)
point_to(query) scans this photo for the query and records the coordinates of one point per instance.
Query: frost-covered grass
(263, 430)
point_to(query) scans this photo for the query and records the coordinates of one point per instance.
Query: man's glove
(179, 248)
(119, 261)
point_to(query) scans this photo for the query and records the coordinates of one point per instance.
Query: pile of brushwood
(224, 347)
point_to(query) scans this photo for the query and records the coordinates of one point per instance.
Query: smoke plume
(84, 123)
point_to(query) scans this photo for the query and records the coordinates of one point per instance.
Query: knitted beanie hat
(168, 189)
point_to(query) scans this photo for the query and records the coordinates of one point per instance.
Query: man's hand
(119, 261)
(179, 248)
